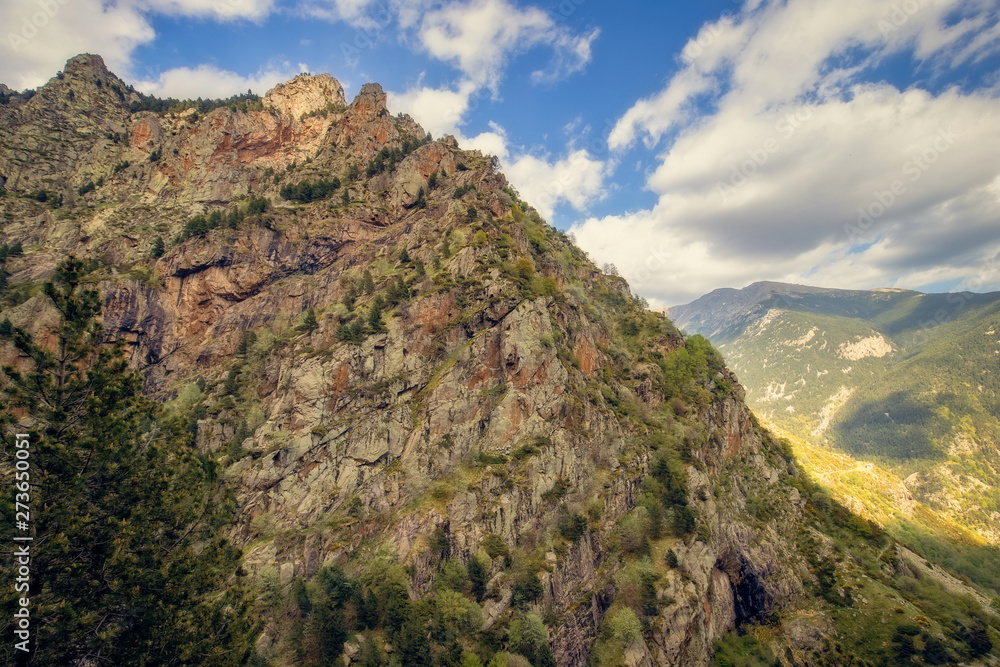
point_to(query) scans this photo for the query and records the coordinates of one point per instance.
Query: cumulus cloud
(367, 15)
(211, 82)
(215, 9)
(439, 110)
(478, 37)
(576, 179)
(780, 160)
(39, 36)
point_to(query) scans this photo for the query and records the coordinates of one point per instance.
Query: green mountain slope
(902, 378)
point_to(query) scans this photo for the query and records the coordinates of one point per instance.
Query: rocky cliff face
(413, 365)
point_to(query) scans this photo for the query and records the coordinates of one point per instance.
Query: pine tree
(375, 323)
(158, 248)
(116, 508)
(477, 576)
(309, 322)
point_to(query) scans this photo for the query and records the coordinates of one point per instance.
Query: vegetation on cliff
(440, 434)
(127, 561)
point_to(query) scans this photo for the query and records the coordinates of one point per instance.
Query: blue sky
(845, 143)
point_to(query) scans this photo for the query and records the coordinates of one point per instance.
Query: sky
(694, 145)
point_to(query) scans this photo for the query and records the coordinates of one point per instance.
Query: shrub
(525, 270)
(528, 637)
(527, 588)
(489, 458)
(352, 332)
(524, 451)
(439, 539)
(494, 546)
(247, 339)
(572, 526)
(557, 491)
(624, 626)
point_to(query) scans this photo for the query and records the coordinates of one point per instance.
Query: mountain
(445, 436)
(893, 376)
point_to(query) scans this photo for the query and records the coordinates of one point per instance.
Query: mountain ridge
(415, 387)
(754, 300)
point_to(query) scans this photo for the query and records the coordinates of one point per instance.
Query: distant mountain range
(894, 376)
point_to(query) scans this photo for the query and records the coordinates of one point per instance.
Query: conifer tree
(117, 507)
(158, 248)
(309, 322)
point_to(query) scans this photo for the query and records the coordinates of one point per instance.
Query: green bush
(558, 490)
(527, 588)
(494, 546)
(573, 526)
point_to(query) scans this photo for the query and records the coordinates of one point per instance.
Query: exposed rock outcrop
(416, 354)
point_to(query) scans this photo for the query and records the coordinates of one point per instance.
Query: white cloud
(39, 36)
(790, 141)
(493, 142)
(478, 37)
(658, 114)
(366, 15)
(216, 9)
(439, 110)
(571, 54)
(211, 82)
(576, 179)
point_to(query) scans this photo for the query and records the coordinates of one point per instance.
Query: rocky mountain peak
(306, 93)
(371, 101)
(85, 62)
